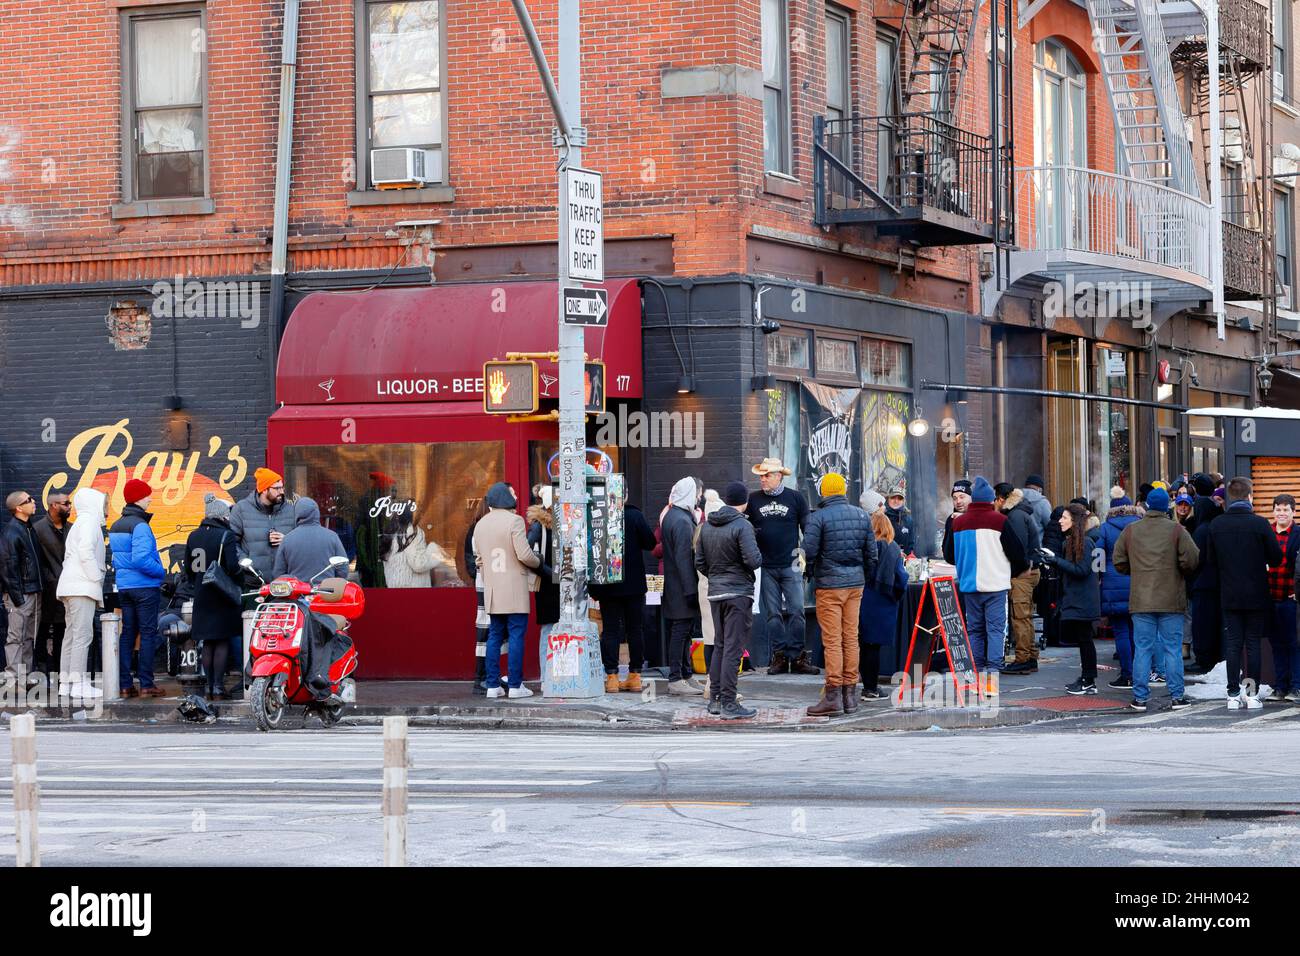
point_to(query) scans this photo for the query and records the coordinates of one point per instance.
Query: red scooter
(279, 629)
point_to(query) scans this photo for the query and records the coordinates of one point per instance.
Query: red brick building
(148, 158)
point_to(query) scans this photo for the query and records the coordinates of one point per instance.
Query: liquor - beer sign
(583, 226)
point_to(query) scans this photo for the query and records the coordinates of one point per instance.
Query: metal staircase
(1149, 123)
(939, 34)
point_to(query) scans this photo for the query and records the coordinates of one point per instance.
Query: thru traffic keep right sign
(584, 229)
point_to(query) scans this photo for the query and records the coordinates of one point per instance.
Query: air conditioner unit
(404, 167)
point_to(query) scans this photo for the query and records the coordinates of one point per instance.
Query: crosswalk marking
(1274, 715)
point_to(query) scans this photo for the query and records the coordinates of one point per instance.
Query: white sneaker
(1234, 703)
(520, 691)
(495, 692)
(684, 688)
(1253, 703)
(86, 691)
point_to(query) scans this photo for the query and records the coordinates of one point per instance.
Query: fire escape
(921, 170)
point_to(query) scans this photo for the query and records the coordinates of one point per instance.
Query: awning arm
(1049, 393)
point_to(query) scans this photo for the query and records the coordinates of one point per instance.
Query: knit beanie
(264, 478)
(981, 491)
(736, 494)
(832, 484)
(214, 507)
(871, 501)
(1118, 499)
(963, 485)
(136, 490)
(1203, 484)
(1157, 500)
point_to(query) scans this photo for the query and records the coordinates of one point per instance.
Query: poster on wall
(830, 437)
(884, 440)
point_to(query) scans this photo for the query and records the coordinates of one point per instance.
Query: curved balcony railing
(1072, 209)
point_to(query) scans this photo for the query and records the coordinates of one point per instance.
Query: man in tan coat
(504, 558)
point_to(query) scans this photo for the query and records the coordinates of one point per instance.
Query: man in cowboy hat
(778, 514)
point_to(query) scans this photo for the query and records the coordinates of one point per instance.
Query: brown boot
(850, 694)
(611, 683)
(801, 665)
(831, 704)
(632, 684)
(779, 664)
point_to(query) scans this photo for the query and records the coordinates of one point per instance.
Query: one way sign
(586, 307)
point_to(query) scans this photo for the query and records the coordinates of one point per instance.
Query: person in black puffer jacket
(1203, 589)
(1080, 607)
(841, 555)
(727, 554)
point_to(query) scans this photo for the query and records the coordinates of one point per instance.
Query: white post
(111, 628)
(1215, 146)
(27, 794)
(396, 760)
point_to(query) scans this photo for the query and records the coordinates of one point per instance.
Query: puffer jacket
(135, 551)
(727, 554)
(252, 524)
(1114, 584)
(84, 555)
(1081, 592)
(839, 545)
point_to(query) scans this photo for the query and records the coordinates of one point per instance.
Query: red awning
(429, 344)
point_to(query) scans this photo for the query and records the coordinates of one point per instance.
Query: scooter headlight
(281, 589)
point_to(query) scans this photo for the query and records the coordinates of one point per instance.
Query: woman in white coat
(81, 589)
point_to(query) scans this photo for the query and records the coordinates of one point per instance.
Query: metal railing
(1243, 263)
(1069, 208)
(1156, 48)
(910, 160)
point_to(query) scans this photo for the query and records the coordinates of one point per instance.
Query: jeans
(780, 597)
(623, 619)
(732, 620)
(1122, 625)
(1243, 630)
(139, 615)
(986, 623)
(837, 615)
(679, 645)
(1158, 646)
(517, 624)
(1286, 655)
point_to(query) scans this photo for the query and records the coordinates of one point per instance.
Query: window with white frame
(1282, 49)
(776, 101)
(401, 92)
(1284, 247)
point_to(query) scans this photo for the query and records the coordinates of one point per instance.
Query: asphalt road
(1101, 792)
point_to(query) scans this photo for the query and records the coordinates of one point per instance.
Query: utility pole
(1215, 146)
(569, 138)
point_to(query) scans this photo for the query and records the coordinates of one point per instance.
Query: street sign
(510, 388)
(593, 388)
(586, 307)
(584, 225)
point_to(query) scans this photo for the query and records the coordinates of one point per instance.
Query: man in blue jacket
(139, 580)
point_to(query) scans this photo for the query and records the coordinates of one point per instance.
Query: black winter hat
(735, 494)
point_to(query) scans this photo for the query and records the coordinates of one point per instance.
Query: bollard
(396, 760)
(110, 624)
(27, 795)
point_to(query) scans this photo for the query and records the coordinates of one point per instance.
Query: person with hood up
(878, 615)
(217, 623)
(139, 576)
(1011, 502)
(1080, 606)
(727, 554)
(481, 621)
(81, 591)
(306, 550)
(681, 587)
(622, 605)
(1041, 507)
(841, 554)
(261, 520)
(503, 555)
(987, 555)
(1115, 584)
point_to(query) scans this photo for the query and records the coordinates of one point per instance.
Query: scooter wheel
(329, 716)
(265, 701)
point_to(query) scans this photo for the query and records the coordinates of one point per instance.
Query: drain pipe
(283, 172)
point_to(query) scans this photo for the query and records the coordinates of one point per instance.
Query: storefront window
(836, 357)
(783, 426)
(401, 511)
(884, 440)
(886, 363)
(1201, 425)
(1113, 424)
(543, 461)
(788, 350)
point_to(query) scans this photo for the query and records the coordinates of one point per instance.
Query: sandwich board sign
(939, 598)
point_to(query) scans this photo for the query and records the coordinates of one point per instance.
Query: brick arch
(1081, 51)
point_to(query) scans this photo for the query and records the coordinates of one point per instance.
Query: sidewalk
(780, 701)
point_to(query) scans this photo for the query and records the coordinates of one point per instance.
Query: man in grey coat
(261, 520)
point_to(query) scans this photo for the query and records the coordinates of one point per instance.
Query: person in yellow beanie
(841, 554)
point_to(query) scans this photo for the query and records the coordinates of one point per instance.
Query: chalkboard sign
(939, 604)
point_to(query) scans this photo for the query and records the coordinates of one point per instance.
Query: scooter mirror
(245, 562)
(338, 561)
